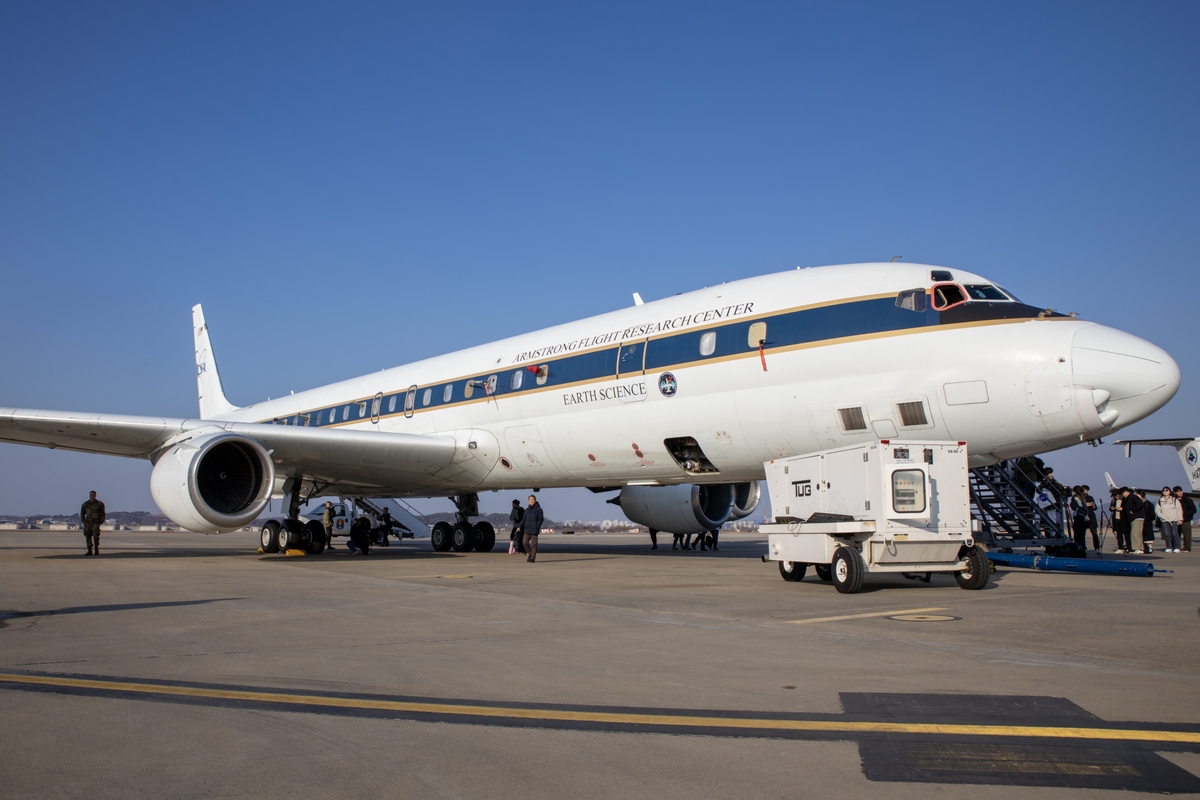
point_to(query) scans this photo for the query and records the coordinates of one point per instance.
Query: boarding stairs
(1003, 503)
(410, 521)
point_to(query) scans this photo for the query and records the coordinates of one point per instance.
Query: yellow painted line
(864, 616)
(664, 720)
(445, 577)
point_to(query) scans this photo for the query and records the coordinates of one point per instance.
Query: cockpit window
(946, 295)
(985, 291)
(912, 300)
(1011, 296)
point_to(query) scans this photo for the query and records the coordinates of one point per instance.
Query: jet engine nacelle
(214, 483)
(745, 499)
(686, 508)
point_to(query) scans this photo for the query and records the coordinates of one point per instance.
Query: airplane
(676, 403)
(1187, 449)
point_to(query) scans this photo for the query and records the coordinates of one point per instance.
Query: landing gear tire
(283, 538)
(268, 537)
(292, 535)
(978, 570)
(823, 572)
(316, 533)
(792, 570)
(462, 537)
(485, 537)
(847, 569)
(440, 536)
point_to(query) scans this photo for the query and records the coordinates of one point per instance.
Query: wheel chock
(295, 552)
(261, 551)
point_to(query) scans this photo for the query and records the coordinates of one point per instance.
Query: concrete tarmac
(179, 665)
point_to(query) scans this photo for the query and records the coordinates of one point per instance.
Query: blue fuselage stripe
(788, 329)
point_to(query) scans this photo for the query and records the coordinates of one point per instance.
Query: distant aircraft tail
(208, 381)
(1189, 455)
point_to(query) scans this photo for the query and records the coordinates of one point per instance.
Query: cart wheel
(823, 572)
(792, 570)
(978, 570)
(847, 569)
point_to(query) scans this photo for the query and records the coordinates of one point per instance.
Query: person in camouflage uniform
(327, 521)
(92, 515)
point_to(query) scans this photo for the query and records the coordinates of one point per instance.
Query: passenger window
(362, 410)
(491, 384)
(708, 343)
(319, 415)
(946, 295)
(543, 374)
(410, 400)
(757, 334)
(392, 404)
(345, 413)
(912, 414)
(447, 393)
(517, 379)
(427, 397)
(912, 300)
(852, 419)
(469, 389)
(908, 491)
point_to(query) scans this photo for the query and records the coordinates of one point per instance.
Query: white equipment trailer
(885, 506)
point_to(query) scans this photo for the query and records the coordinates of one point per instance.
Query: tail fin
(208, 381)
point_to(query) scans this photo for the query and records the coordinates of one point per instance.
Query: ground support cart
(885, 506)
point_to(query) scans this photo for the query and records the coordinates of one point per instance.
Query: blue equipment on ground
(1139, 569)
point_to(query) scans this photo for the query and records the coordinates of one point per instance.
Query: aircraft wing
(1167, 442)
(351, 462)
(108, 434)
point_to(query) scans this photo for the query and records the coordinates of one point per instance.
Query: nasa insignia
(667, 384)
(1191, 455)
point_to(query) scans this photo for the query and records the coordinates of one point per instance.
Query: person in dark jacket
(1125, 508)
(531, 526)
(1078, 508)
(515, 516)
(360, 537)
(385, 528)
(1092, 509)
(1149, 518)
(1189, 510)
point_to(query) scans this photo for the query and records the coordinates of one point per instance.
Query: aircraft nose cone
(1132, 378)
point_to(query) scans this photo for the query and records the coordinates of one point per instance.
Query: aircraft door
(631, 364)
(410, 402)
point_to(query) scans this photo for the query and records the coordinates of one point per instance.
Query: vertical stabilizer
(208, 381)
(1189, 454)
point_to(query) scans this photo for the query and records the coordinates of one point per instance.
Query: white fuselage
(602, 406)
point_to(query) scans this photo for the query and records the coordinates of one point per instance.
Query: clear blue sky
(353, 186)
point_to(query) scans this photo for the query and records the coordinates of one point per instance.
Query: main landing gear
(292, 533)
(462, 535)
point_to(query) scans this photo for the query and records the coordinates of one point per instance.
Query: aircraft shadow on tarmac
(5, 616)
